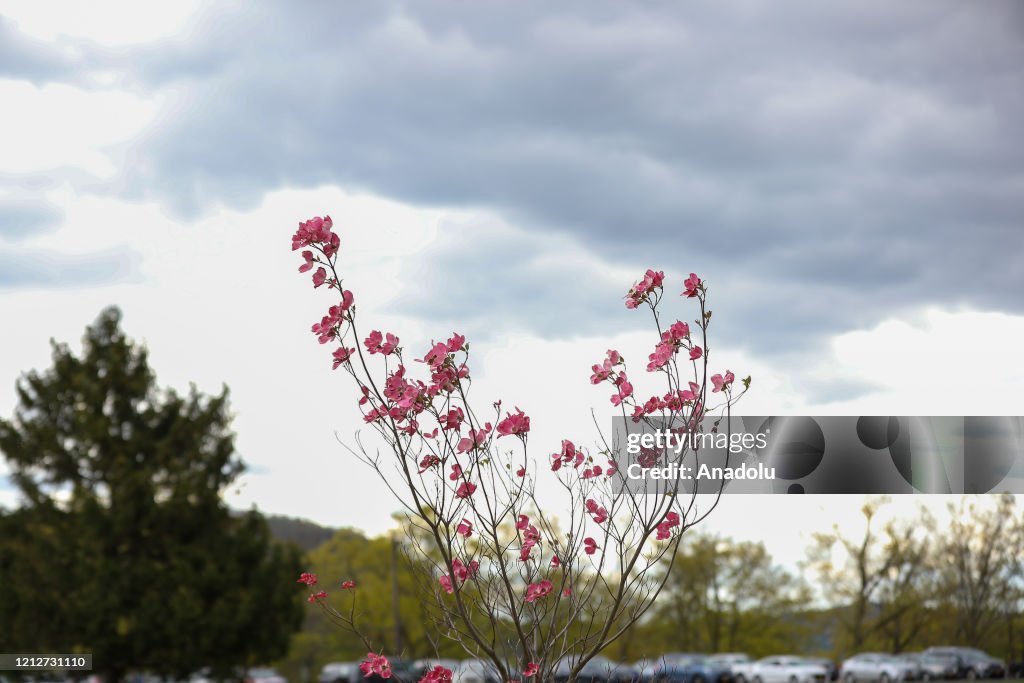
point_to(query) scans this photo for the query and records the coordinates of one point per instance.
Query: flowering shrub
(510, 583)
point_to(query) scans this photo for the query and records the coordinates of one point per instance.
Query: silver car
(876, 666)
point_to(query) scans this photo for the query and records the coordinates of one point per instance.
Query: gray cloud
(19, 217)
(24, 268)
(825, 165)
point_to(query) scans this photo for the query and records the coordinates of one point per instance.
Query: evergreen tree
(123, 546)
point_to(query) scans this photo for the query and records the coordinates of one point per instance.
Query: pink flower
(438, 674)
(446, 584)
(522, 522)
(308, 265)
(692, 284)
(430, 460)
(521, 472)
(555, 562)
(452, 420)
(341, 355)
(316, 596)
(456, 342)
(376, 664)
(722, 382)
(319, 277)
(663, 353)
(316, 231)
(665, 526)
(531, 537)
(679, 330)
(376, 343)
(598, 512)
(348, 585)
(538, 590)
(696, 352)
(436, 356)
(465, 490)
(567, 592)
(514, 423)
(605, 369)
(307, 578)
(625, 389)
(465, 528)
(531, 670)
(589, 545)
(640, 291)
(476, 439)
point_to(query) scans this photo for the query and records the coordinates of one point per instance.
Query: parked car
(731, 661)
(475, 671)
(973, 663)
(263, 674)
(938, 667)
(876, 666)
(340, 672)
(685, 667)
(598, 669)
(831, 670)
(785, 669)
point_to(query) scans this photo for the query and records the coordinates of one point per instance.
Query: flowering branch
(514, 585)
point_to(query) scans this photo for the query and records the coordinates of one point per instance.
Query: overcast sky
(847, 177)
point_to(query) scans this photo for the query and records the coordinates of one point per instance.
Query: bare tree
(980, 559)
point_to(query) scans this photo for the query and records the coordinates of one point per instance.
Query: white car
(784, 669)
(875, 666)
(735, 663)
(340, 672)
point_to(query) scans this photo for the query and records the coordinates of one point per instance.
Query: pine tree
(123, 546)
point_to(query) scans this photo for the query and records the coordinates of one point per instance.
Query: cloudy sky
(847, 177)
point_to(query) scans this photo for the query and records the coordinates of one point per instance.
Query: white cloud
(110, 22)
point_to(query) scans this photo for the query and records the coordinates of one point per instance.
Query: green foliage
(124, 546)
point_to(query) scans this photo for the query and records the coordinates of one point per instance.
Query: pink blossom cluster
(531, 537)
(597, 512)
(666, 525)
(316, 233)
(722, 383)
(376, 664)
(307, 578)
(642, 291)
(606, 372)
(536, 591)
(569, 455)
(514, 424)
(461, 572)
(692, 286)
(675, 337)
(438, 674)
(589, 545)
(672, 401)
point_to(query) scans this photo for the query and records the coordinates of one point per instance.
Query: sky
(848, 178)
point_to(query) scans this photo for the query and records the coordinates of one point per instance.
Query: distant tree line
(902, 585)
